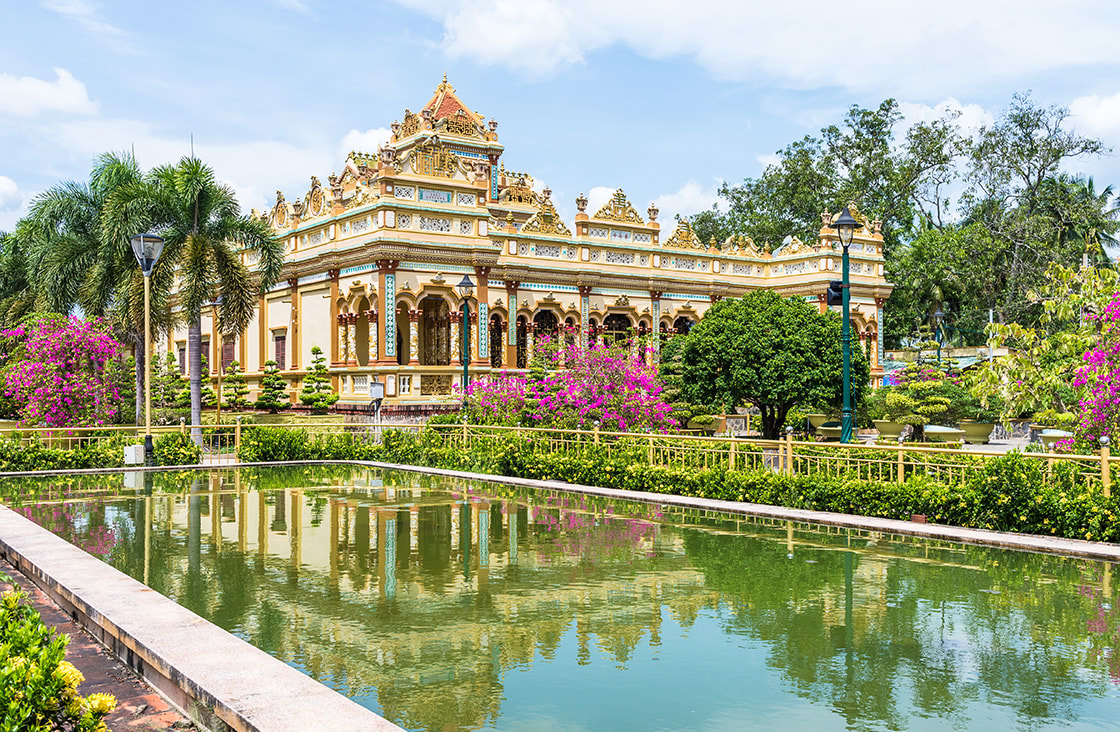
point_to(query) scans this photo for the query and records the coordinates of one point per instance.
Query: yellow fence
(886, 462)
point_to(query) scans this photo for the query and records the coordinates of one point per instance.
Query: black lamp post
(147, 248)
(845, 226)
(937, 317)
(466, 289)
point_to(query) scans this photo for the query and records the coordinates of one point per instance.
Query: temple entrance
(404, 340)
(522, 342)
(497, 340)
(682, 325)
(546, 327)
(361, 332)
(617, 327)
(435, 332)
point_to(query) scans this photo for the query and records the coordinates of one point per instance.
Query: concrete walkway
(139, 708)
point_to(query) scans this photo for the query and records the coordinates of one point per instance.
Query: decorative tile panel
(404, 221)
(594, 255)
(466, 199)
(317, 238)
(642, 239)
(360, 225)
(431, 195)
(390, 315)
(483, 330)
(741, 269)
(435, 223)
(404, 192)
(547, 251)
(598, 233)
(617, 235)
(523, 249)
(680, 263)
(619, 258)
(466, 228)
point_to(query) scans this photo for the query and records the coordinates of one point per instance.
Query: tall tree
(770, 352)
(205, 233)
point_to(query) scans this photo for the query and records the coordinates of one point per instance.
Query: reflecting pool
(445, 605)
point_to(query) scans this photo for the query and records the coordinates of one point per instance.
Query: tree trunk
(194, 357)
(140, 356)
(771, 425)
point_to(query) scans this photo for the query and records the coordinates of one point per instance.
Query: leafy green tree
(274, 390)
(317, 392)
(205, 232)
(769, 351)
(234, 388)
(123, 374)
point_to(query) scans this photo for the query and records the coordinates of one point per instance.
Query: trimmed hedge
(175, 448)
(1008, 493)
(102, 453)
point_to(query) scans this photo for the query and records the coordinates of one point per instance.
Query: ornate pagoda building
(373, 259)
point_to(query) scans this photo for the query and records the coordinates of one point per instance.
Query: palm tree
(17, 296)
(204, 234)
(72, 265)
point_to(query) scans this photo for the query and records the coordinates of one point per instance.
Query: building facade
(373, 258)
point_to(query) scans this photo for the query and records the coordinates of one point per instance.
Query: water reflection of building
(424, 602)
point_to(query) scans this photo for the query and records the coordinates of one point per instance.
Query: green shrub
(176, 448)
(38, 689)
(90, 453)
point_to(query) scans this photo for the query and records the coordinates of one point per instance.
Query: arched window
(617, 327)
(682, 325)
(497, 340)
(435, 332)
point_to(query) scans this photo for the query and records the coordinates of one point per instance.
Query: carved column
(338, 349)
(655, 329)
(262, 333)
(879, 302)
(352, 339)
(374, 349)
(387, 311)
(474, 332)
(530, 343)
(413, 338)
(456, 337)
(293, 325)
(338, 340)
(584, 315)
(511, 326)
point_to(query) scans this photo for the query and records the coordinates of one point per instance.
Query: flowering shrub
(57, 372)
(574, 386)
(1098, 379)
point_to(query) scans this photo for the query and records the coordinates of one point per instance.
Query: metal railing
(885, 463)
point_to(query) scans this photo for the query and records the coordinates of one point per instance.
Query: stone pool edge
(1004, 540)
(218, 680)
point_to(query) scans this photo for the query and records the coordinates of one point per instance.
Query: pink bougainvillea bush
(573, 386)
(1098, 381)
(55, 371)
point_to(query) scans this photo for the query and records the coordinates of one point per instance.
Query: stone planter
(888, 430)
(816, 420)
(977, 433)
(1050, 436)
(716, 425)
(938, 433)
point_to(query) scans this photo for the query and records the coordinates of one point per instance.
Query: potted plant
(976, 418)
(876, 411)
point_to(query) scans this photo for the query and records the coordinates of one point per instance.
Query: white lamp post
(147, 248)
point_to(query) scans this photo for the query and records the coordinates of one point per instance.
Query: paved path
(139, 709)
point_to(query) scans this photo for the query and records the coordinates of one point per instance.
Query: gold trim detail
(618, 208)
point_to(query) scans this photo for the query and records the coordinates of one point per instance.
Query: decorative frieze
(404, 192)
(435, 223)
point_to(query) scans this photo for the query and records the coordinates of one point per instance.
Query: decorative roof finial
(653, 211)
(581, 203)
(547, 193)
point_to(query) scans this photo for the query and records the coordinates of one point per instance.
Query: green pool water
(444, 605)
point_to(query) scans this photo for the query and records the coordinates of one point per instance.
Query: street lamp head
(466, 287)
(845, 226)
(937, 316)
(147, 248)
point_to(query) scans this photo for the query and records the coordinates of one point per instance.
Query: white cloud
(85, 14)
(26, 96)
(1096, 116)
(767, 160)
(369, 141)
(876, 45)
(689, 199)
(969, 117)
(10, 197)
(597, 196)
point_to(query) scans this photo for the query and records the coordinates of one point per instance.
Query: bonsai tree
(317, 392)
(274, 390)
(770, 352)
(234, 388)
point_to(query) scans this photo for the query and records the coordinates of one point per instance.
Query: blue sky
(663, 98)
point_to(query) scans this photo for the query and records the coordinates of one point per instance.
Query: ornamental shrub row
(1008, 493)
(101, 453)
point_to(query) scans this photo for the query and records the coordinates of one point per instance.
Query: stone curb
(219, 680)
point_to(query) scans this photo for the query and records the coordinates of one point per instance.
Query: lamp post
(147, 248)
(937, 317)
(845, 226)
(466, 289)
